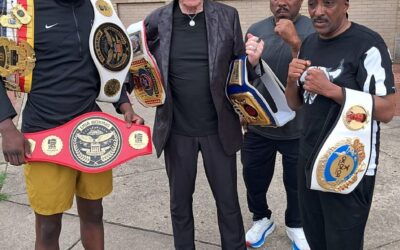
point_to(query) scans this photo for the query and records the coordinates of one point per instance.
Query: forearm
(292, 94)
(335, 93)
(6, 108)
(126, 107)
(384, 108)
(6, 125)
(254, 73)
(295, 47)
(129, 115)
(124, 98)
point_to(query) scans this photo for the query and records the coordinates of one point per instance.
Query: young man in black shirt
(194, 41)
(343, 55)
(65, 84)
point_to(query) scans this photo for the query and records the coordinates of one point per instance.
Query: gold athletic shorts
(51, 187)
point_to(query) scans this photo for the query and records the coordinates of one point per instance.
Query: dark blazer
(225, 42)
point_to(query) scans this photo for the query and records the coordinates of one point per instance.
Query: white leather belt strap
(343, 159)
(146, 77)
(111, 50)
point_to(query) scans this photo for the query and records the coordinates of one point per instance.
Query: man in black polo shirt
(194, 42)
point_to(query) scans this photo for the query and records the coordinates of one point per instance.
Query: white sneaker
(256, 235)
(299, 241)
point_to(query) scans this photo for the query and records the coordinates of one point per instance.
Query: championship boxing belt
(267, 109)
(146, 77)
(92, 143)
(17, 57)
(110, 49)
(344, 156)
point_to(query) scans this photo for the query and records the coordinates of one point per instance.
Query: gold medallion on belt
(111, 46)
(104, 8)
(340, 165)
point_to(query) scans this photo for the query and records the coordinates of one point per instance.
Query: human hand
(317, 81)
(286, 30)
(130, 116)
(296, 68)
(254, 49)
(15, 146)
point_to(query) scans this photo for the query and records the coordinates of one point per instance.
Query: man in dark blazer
(194, 42)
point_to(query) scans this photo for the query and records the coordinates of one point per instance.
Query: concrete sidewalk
(137, 215)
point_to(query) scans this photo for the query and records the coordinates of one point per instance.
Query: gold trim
(23, 54)
(341, 168)
(240, 100)
(352, 117)
(138, 140)
(52, 145)
(21, 14)
(10, 22)
(236, 74)
(148, 87)
(95, 142)
(112, 47)
(104, 8)
(112, 87)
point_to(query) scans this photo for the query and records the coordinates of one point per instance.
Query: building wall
(381, 16)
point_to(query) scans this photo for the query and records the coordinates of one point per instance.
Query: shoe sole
(294, 246)
(261, 242)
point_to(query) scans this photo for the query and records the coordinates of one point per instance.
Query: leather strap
(343, 158)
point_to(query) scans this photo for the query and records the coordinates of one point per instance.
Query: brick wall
(381, 16)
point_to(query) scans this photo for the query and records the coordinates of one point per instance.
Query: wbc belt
(110, 49)
(344, 156)
(92, 143)
(146, 77)
(268, 109)
(17, 57)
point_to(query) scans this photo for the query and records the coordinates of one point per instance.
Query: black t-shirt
(194, 113)
(65, 81)
(356, 59)
(277, 54)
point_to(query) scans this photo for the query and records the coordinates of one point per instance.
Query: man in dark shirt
(342, 55)
(65, 84)
(282, 34)
(194, 42)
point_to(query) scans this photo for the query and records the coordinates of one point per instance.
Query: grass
(2, 179)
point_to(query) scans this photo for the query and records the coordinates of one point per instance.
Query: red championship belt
(92, 143)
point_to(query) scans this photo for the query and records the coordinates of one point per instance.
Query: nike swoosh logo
(50, 26)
